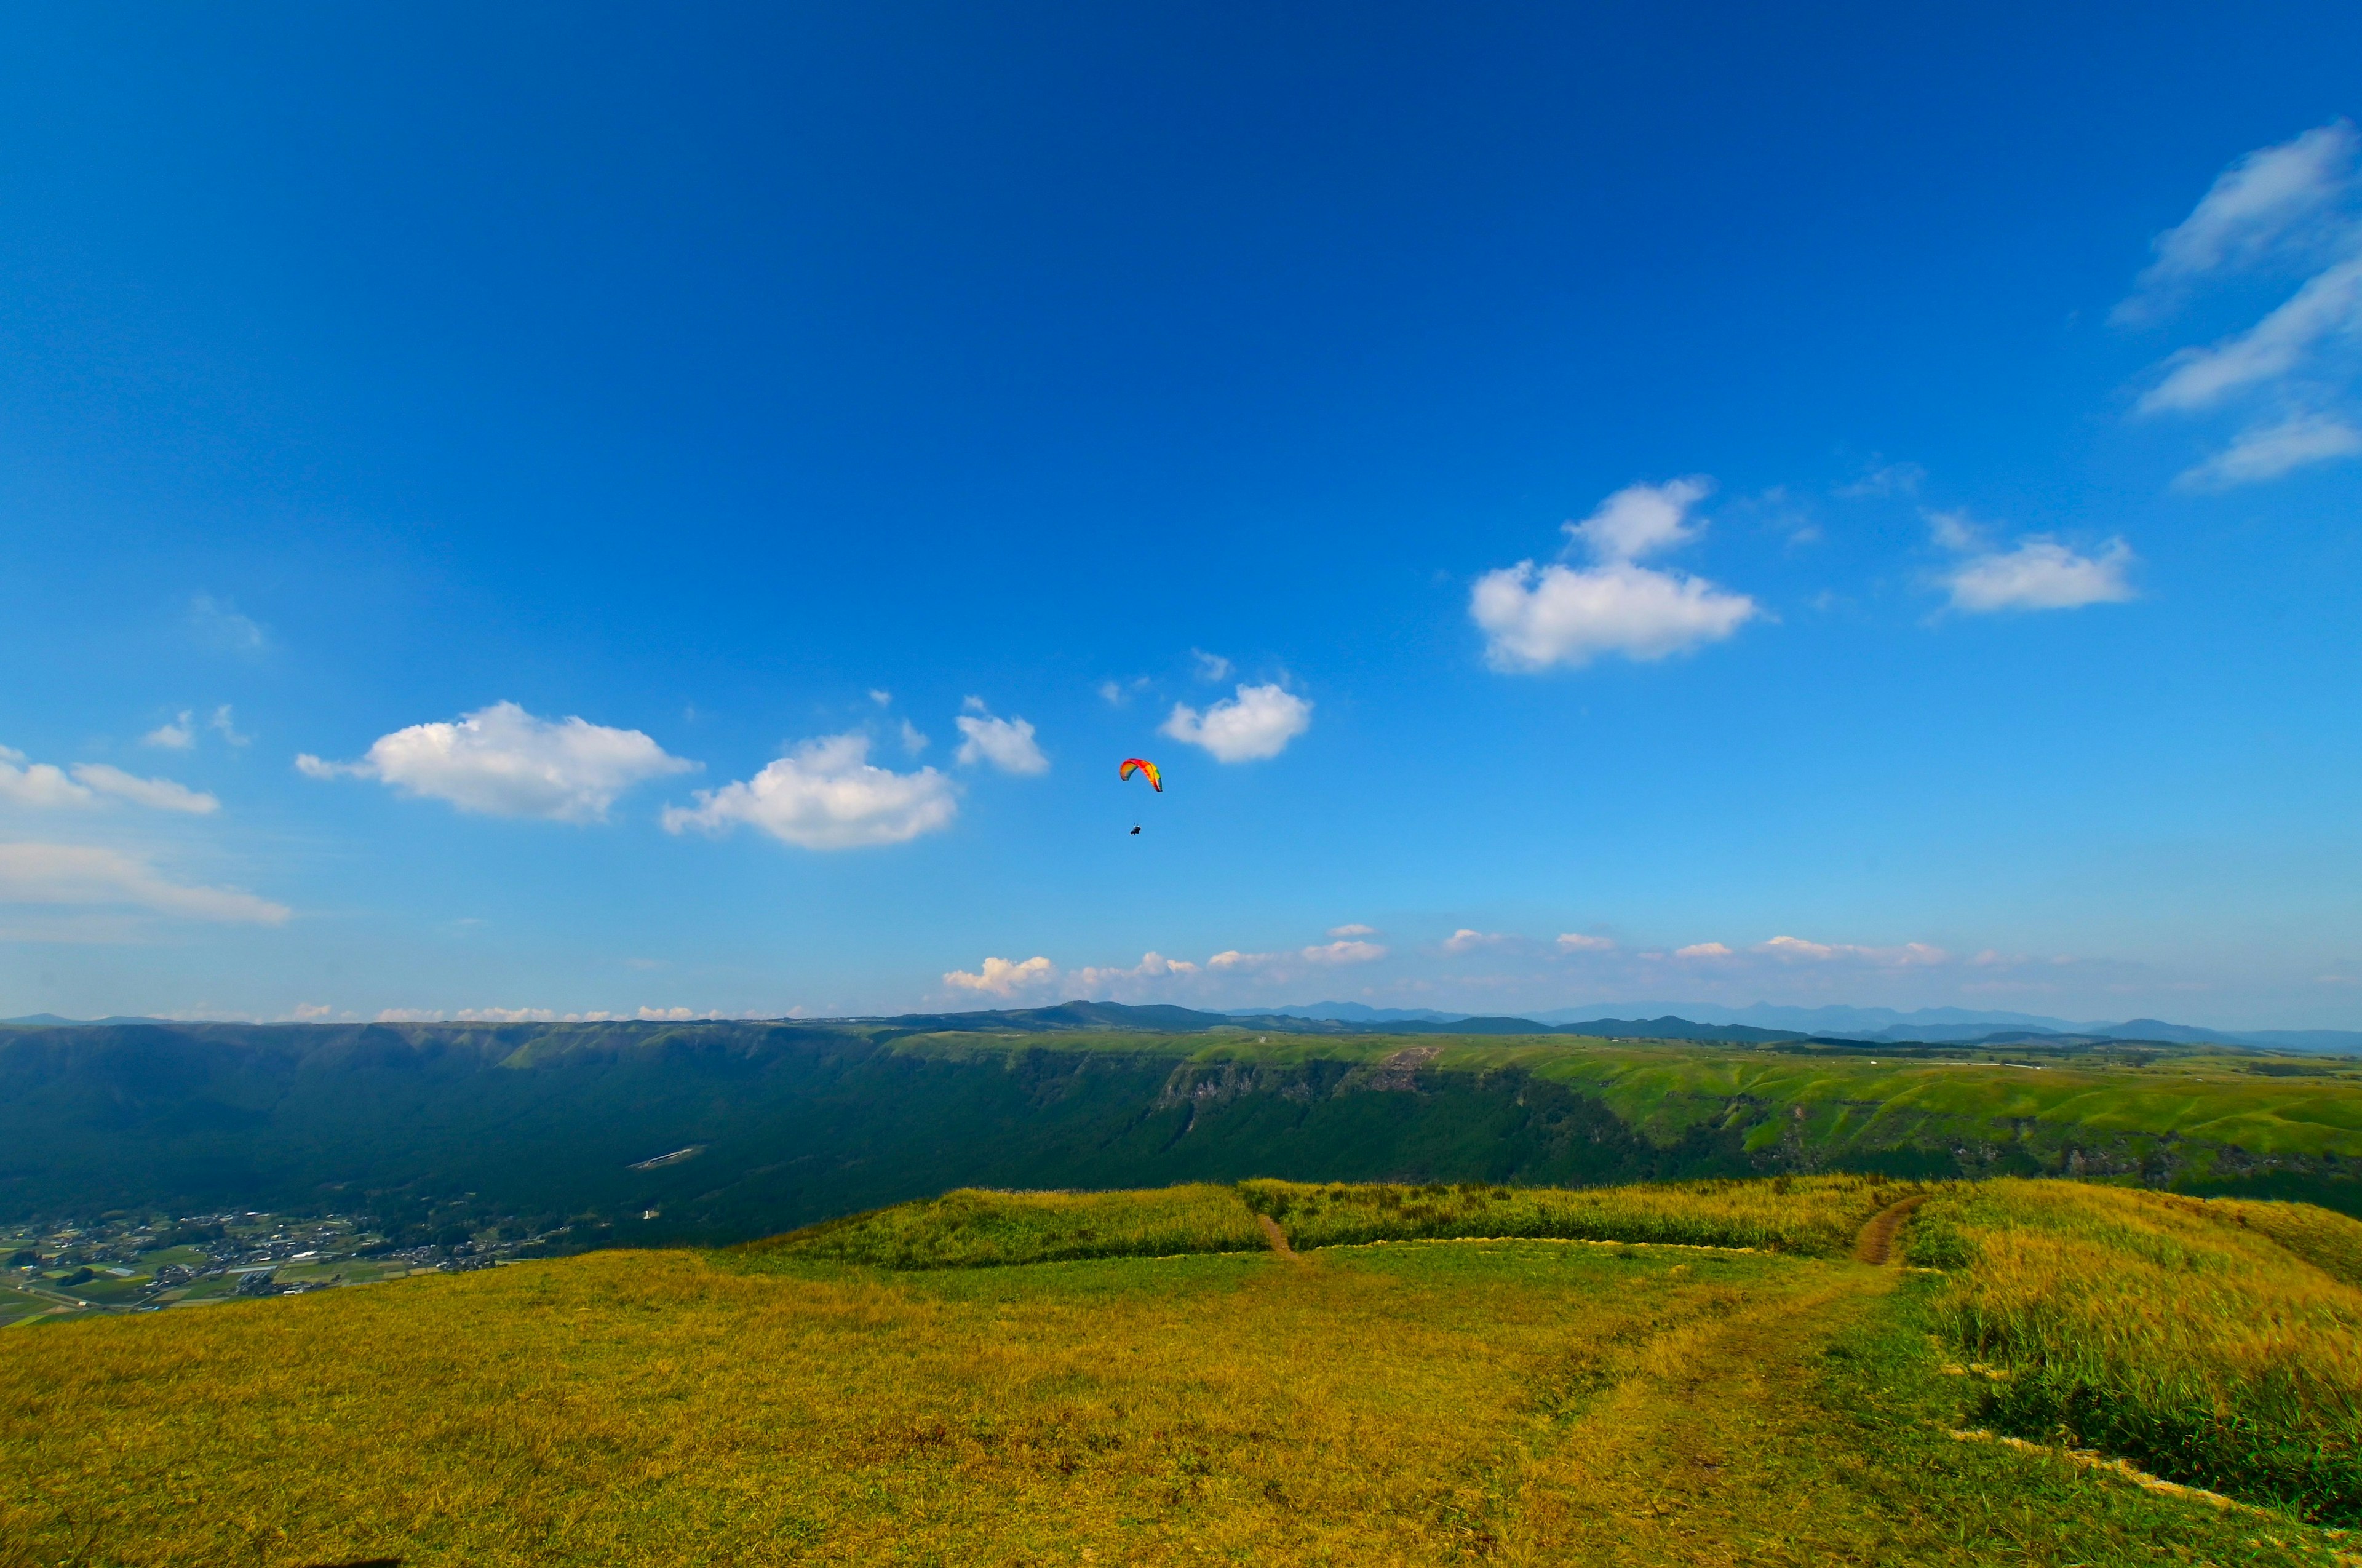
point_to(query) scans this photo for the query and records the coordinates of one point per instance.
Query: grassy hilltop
(1703, 1373)
(771, 1126)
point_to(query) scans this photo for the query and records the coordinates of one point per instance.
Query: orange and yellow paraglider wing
(1132, 765)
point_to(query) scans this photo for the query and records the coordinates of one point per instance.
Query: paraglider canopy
(1140, 764)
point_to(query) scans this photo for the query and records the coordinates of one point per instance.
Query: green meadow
(1698, 1371)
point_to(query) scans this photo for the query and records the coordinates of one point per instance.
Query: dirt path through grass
(1878, 1237)
(1278, 1238)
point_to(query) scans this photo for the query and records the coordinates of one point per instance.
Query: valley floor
(1514, 1402)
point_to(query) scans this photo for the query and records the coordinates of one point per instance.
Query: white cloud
(308, 1013)
(2266, 452)
(1007, 744)
(1888, 479)
(912, 741)
(2041, 574)
(1093, 980)
(1000, 977)
(38, 784)
(1116, 693)
(2329, 306)
(882, 698)
(1535, 617)
(1355, 930)
(177, 735)
(81, 874)
(218, 624)
(504, 762)
(1345, 952)
(160, 794)
(41, 785)
(1575, 942)
(1954, 530)
(1703, 950)
(1211, 667)
(1795, 949)
(1641, 519)
(220, 723)
(2261, 204)
(825, 794)
(1463, 939)
(1256, 723)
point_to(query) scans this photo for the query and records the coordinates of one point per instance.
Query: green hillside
(1171, 1385)
(772, 1126)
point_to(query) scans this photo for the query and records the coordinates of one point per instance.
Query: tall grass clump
(971, 1228)
(2218, 1343)
(1816, 1216)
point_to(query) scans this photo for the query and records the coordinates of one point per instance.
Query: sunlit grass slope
(2218, 1342)
(969, 1229)
(1819, 1216)
(1515, 1401)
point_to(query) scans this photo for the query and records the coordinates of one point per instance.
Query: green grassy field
(1415, 1398)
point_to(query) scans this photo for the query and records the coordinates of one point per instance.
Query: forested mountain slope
(793, 1123)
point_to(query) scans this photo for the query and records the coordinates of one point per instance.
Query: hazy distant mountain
(1351, 1013)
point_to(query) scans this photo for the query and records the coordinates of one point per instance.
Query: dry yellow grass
(1521, 1402)
(2194, 1336)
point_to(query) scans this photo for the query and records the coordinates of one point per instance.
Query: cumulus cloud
(1343, 952)
(1002, 977)
(1703, 950)
(39, 784)
(1535, 617)
(1007, 744)
(912, 741)
(221, 725)
(2267, 451)
(827, 794)
(1355, 930)
(1256, 723)
(2040, 574)
(1465, 938)
(1211, 667)
(1093, 980)
(87, 875)
(159, 794)
(2271, 198)
(1575, 942)
(176, 734)
(504, 762)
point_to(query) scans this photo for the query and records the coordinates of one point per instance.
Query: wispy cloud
(1534, 618)
(2267, 201)
(158, 794)
(2267, 451)
(2295, 208)
(216, 624)
(70, 873)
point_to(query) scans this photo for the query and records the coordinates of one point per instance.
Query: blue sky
(581, 510)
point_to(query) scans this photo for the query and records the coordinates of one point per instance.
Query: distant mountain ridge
(1761, 1024)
